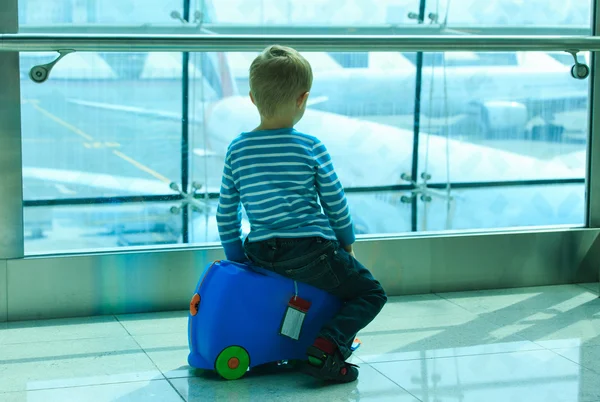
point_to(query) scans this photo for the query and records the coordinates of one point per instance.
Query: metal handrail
(228, 43)
(299, 29)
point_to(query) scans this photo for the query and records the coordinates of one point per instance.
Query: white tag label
(292, 323)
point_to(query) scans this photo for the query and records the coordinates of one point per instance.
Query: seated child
(301, 226)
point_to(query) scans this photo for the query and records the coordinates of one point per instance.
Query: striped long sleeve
(229, 215)
(332, 196)
(287, 185)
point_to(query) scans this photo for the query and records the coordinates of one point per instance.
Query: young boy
(280, 175)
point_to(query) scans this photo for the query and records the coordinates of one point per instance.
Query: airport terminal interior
(466, 135)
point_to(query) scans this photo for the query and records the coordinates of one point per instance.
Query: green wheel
(232, 363)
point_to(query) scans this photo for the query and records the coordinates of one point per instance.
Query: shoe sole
(315, 372)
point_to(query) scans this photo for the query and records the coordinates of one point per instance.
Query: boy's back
(279, 176)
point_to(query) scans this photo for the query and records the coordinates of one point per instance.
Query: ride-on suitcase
(242, 316)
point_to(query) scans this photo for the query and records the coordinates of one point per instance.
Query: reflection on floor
(533, 344)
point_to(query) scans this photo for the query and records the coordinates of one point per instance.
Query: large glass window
(89, 226)
(498, 138)
(306, 13)
(511, 13)
(73, 151)
(107, 12)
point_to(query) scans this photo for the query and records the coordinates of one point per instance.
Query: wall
(144, 281)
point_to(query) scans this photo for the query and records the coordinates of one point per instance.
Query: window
(510, 13)
(107, 12)
(308, 13)
(91, 155)
(499, 139)
(456, 59)
(89, 226)
(85, 130)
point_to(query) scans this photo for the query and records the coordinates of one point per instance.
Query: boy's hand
(349, 250)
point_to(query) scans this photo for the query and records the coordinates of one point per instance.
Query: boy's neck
(275, 124)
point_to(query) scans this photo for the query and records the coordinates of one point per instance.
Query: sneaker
(329, 367)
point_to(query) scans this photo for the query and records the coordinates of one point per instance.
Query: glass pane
(380, 212)
(203, 227)
(86, 131)
(306, 13)
(513, 13)
(365, 117)
(92, 227)
(501, 117)
(503, 207)
(106, 12)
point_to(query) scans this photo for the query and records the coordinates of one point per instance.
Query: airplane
(477, 101)
(365, 154)
(483, 94)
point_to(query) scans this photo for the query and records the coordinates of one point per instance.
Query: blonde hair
(279, 75)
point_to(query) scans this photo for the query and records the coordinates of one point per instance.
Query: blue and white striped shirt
(279, 176)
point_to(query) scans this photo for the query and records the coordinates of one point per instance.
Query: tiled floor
(533, 344)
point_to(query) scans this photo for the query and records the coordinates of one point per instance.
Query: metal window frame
(226, 29)
(49, 202)
(11, 188)
(185, 130)
(593, 151)
(414, 207)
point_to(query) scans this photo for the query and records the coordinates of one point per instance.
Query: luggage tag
(295, 313)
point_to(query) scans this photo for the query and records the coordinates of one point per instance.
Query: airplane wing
(385, 152)
(156, 113)
(68, 181)
(132, 110)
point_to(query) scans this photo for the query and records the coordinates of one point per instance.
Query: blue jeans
(325, 265)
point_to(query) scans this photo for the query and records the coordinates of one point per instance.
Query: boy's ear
(302, 99)
(252, 97)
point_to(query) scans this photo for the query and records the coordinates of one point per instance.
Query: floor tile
(419, 306)
(156, 390)
(81, 362)
(594, 286)
(292, 387)
(389, 322)
(523, 376)
(586, 356)
(552, 329)
(155, 323)
(491, 348)
(169, 352)
(447, 335)
(541, 299)
(61, 329)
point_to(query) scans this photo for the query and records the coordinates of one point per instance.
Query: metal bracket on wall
(579, 71)
(41, 72)
(420, 189)
(198, 17)
(189, 199)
